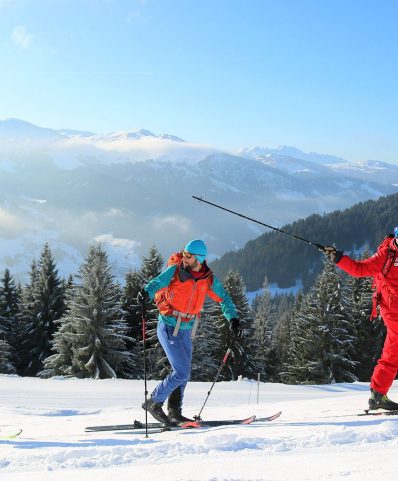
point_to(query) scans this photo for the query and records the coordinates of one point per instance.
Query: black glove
(236, 327)
(333, 254)
(142, 296)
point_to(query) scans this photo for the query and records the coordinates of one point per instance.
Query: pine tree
(281, 335)
(221, 337)
(91, 340)
(157, 364)
(241, 362)
(132, 316)
(262, 336)
(281, 342)
(27, 300)
(43, 304)
(206, 346)
(282, 303)
(69, 283)
(61, 362)
(6, 365)
(9, 321)
(325, 345)
(289, 337)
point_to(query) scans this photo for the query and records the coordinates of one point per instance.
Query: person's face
(189, 261)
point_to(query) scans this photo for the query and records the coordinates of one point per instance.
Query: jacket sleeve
(220, 295)
(365, 268)
(162, 280)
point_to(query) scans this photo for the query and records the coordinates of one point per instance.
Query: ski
(138, 425)
(367, 412)
(269, 418)
(227, 422)
(12, 435)
(249, 420)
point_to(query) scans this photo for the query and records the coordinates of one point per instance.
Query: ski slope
(318, 437)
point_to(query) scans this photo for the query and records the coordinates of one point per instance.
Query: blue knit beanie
(198, 248)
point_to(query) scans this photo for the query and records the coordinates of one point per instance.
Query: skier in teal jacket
(179, 293)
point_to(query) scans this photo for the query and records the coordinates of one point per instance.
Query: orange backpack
(175, 258)
(160, 298)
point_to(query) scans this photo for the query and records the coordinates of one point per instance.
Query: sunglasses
(187, 255)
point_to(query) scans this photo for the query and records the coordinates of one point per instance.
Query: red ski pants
(387, 366)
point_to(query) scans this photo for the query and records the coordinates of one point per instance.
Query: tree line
(90, 326)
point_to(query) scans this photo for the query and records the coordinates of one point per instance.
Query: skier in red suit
(383, 267)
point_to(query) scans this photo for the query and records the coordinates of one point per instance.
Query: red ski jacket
(383, 267)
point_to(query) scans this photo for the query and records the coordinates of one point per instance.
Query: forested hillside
(284, 259)
(90, 326)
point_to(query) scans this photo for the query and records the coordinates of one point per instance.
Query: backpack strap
(195, 326)
(182, 315)
(389, 261)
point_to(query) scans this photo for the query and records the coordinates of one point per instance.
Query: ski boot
(174, 408)
(175, 416)
(381, 401)
(155, 409)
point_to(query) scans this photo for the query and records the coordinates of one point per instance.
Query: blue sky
(320, 75)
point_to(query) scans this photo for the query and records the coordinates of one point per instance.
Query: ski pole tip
(197, 198)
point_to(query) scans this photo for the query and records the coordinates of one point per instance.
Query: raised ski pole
(223, 362)
(318, 246)
(143, 310)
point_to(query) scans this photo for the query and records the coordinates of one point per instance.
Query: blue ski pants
(178, 350)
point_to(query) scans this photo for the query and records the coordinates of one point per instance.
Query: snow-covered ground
(318, 437)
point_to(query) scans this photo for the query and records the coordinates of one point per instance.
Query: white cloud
(152, 148)
(175, 222)
(127, 244)
(10, 225)
(21, 36)
(113, 212)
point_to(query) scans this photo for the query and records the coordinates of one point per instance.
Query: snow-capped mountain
(15, 129)
(133, 135)
(131, 190)
(296, 162)
(257, 152)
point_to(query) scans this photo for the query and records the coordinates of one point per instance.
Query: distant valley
(131, 190)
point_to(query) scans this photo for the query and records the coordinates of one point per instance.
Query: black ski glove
(333, 254)
(236, 327)
(142, 296)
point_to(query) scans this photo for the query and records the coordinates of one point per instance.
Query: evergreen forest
(287, 261)
(90, 326)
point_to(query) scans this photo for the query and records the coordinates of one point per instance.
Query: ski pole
(223, 362)
(143, 310)
(318, 246)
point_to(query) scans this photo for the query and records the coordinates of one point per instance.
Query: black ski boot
(381, 401)
(174, 408)
(155, 409)
(175, 416)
